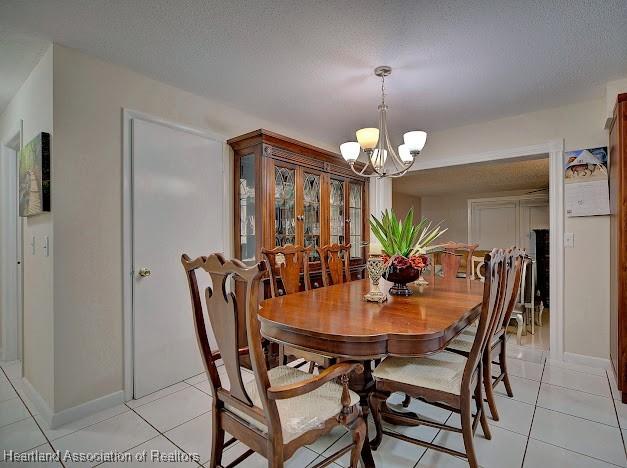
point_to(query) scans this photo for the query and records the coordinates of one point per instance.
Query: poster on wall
(34, 173)
(586, 182)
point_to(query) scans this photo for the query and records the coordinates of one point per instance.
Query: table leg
(362, 384)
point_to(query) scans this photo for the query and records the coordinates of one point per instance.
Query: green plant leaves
(404, 237)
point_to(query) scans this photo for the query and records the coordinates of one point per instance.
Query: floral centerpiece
(404, 247)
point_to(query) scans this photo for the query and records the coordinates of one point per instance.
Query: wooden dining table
(336, 321)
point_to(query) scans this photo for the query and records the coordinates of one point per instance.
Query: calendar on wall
(586, 182)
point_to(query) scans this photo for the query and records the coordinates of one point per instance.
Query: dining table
(336, 321)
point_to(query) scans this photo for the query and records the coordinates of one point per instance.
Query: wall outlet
(569, 240)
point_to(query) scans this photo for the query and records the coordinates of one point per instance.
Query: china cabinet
(290, 192)
(618, 243)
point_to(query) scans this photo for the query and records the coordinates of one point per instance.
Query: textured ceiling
(308, 64)
(19, 53)
(529, 174)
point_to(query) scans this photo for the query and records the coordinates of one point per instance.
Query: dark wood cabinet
(542, 266)
(618, 243)
(290, 192)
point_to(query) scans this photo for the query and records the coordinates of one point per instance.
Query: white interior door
(178, 207)
(494, 224)
(533, 215)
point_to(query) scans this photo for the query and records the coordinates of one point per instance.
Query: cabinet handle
(348, 221)
(300, 218)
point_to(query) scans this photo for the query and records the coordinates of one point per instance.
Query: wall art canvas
(34, 174)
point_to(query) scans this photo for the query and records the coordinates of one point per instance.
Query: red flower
(401, 262)
(419, 261)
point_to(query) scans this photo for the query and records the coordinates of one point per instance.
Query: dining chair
(496, 344)
(453, 257)
(335, 263)
(475, 269)
(521, 307)
(283, 408)
(445, 379)
(284, 267)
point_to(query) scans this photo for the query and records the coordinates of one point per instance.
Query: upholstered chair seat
(442, 371)
(463, 342)
(302, 413)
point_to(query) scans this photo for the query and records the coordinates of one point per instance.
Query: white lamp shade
(378, 161)
(404, 154)
(416, 140)
(350, 150)
(367, 137)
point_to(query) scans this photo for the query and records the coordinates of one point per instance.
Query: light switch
(569, 240)
(32, 245)
(46, 246)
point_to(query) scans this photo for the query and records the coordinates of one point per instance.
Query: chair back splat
(222, 309)
(285, 263)
(493, 293)
(335, 263)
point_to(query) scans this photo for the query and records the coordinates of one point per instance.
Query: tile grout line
(163, 396)
(574, 451)
(575, 389)
(161, 433)
(433, 440)
(620, 429)
(533, 416)
(31, 415)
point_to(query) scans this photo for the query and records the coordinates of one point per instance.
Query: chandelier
(382, 157)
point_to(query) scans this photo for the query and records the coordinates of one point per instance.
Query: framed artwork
(34, 172)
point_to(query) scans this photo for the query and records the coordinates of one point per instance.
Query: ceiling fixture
(382, 157)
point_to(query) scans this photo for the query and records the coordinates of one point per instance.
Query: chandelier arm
(398, 163)
(384, 159)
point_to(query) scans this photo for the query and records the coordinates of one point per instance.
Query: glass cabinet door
(311, 212)
(248, 240)
(336, 216)
(356, 221)
(284, 209)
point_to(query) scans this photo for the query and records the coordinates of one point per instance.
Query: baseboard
(584, 360)
(36, 399)
(85, 409)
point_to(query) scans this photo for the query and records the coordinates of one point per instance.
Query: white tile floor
(561, 415)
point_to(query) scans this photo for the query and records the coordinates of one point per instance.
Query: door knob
(144, 272)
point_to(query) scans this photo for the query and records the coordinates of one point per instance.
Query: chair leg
(375, 401)
(406, 401)
(519, 330)
(487, 381)
(481, 410)
(217, 442)
(503, 366)
(539, 316)
(282, 357)
(466, 417)
(359, 429)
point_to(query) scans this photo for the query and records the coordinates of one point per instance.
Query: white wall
(89, 96)
(402, 203)
(452, 210)
(33, 104)
(586, 327)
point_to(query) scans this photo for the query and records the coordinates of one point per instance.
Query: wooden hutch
(290, 192)
(618, 243)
